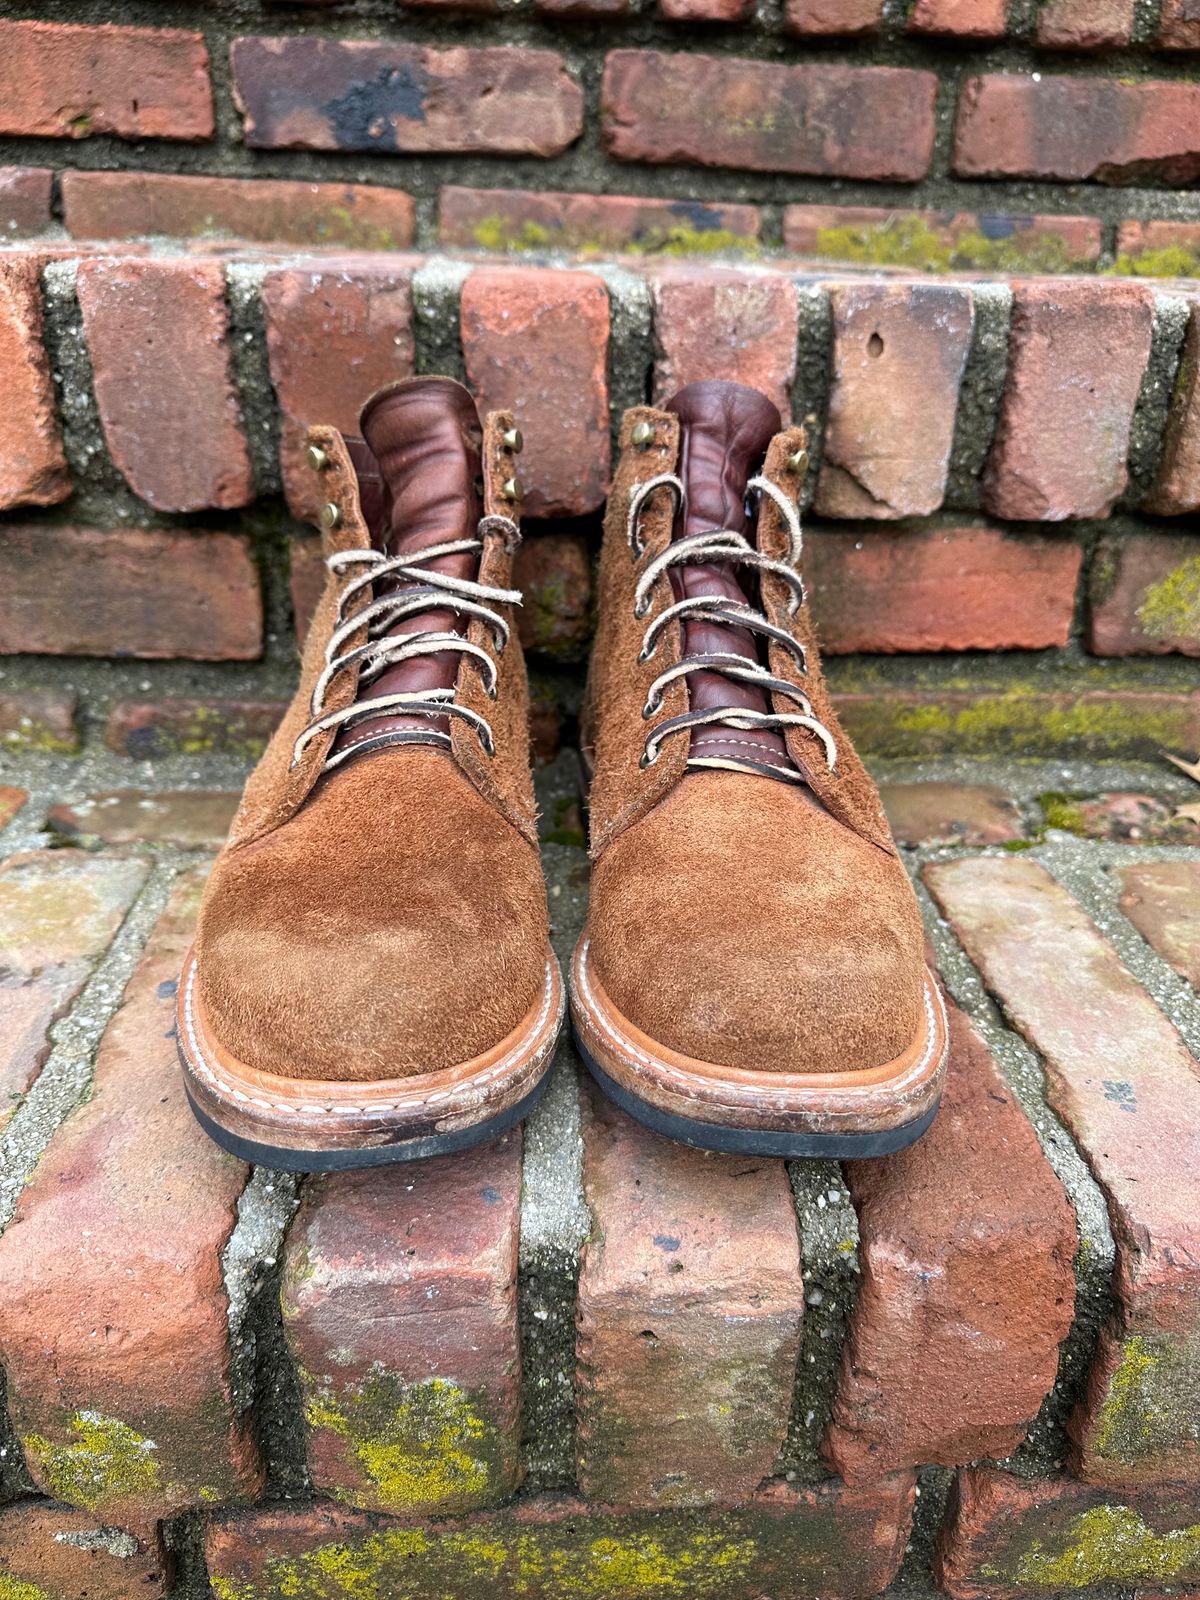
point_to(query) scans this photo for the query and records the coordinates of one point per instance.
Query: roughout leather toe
(741, 924)
(327, 951)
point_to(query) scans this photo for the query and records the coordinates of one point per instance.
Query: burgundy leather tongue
(418, 479)
(725, 429)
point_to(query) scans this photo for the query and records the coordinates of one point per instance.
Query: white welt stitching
(206, 1068)
(649, 1066)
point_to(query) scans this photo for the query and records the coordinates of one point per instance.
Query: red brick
(66, 82)
(400, 1310)
(38, 719)
(1007, 1537)
(581, 8)
(714, 324)
(960, 19)
(150, 592)
(593, 224)
(719, 111)
(1011, 125)
(536, 343)
(25, 194)
(554, 573)
(950, 813)
(1179, 26)
(33, 469)
(899, 351)
(831, 16)
(966, 1242)
(311, 93)
(125, 205)
(157, 335)
(1085, 24)
(11, 801)
(1125, 1084)
(1177, 487)
(940, 589)
(1162, 900)
(190, 819)
(688, 1321)
(705, 10)
(1021, 721)
(940, 241)
(150, 730)
(1145, 596)
(115, 1336)
(1120, 815)
(59, 911)
(1077, 356)
(827, 1541)
(335, 334)
(49, 1551)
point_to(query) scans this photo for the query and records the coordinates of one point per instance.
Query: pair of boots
(372, 978)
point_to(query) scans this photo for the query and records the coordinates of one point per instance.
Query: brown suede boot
(372, 979)
(752, 975)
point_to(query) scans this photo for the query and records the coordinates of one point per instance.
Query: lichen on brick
(568, 1560)
(1111, 1544)
(19, 1589)
(426, 1446)
(106, 1460)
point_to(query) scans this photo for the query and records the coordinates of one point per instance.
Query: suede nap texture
(395, 925)
(740, 924)
(734, 918)
(614, 733)
(387, 918)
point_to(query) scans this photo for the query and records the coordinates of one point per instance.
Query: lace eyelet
(647, 760)
(641, 608)
(649, 711)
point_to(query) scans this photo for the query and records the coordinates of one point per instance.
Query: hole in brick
(649, 1333)
(875, 346)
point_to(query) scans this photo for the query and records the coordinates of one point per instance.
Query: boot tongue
(725, 429)
(425, 435)
(419, 487)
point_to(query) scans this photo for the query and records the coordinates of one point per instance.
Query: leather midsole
(319, 1113)
(862, 1100)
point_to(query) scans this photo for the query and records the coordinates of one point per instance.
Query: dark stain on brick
(1120, 1093)
(364, 116)
(666, 1241)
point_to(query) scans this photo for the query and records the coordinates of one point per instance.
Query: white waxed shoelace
(422, 591)
(723, 545)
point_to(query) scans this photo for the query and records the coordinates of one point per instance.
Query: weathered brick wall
(955, 237)
(999, 476)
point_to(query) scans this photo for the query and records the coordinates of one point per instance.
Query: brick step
(584, 1360)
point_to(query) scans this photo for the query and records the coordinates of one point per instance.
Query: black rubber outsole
(756, 1141)
(439, 1144)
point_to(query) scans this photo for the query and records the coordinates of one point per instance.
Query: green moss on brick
(1169, 261)
(912, 242)
(1017, 722)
